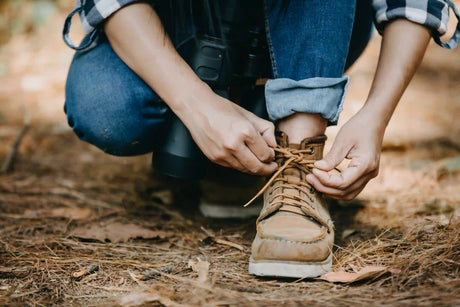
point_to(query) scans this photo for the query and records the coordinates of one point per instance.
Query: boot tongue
(294, 146)
(315, 144)
(281, 138)
(295, 175)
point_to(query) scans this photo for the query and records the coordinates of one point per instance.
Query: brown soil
(407, 219)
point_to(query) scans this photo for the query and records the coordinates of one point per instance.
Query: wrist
(189, 98)
(374, 118)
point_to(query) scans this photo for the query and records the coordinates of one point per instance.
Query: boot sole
(290, 269)
(217, 211)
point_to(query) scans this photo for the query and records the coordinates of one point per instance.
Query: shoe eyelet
(312, 149)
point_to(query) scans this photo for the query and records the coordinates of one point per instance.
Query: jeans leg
(109, 106)
(308, 42)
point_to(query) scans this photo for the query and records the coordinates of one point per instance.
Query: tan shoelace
(294, 159)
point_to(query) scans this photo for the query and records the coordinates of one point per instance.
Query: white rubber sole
(229, 212)
(290, 269)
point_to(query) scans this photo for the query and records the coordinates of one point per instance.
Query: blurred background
(34, 62)
(55, 176)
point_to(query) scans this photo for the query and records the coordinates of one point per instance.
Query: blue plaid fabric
(433, 14)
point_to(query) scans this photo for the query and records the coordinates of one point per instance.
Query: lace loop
(295, 158)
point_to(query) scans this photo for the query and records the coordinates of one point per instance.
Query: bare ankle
(302, 125)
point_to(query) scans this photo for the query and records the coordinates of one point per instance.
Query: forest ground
(80, 227)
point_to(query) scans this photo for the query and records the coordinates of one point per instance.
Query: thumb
(333, 158)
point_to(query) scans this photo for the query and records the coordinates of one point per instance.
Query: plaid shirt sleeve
(92, 14)
(433, 14)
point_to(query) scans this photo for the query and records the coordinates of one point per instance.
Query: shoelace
(294, 159)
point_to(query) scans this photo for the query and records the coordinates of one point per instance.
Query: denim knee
(127, 138)
(116, 131)
(110, 107)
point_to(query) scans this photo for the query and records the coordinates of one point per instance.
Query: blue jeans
(311, 44)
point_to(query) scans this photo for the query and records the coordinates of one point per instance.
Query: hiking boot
(295, 233)
(224, 190)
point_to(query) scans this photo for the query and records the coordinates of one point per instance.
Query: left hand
(360, 140)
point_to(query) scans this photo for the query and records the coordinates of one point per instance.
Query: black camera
(230, 54)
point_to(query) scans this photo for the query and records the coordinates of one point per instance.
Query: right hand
(233, 137)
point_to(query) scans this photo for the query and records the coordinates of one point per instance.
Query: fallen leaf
(368, 272)
(139, 298)
(118, 232)
(69, 213)
(72, 213)
(86, 271)
(201, 267)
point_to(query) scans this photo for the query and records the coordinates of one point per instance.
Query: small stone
(448, 167)
(151, 274)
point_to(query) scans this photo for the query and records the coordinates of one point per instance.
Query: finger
(333, 158)
(259, 147)
(342, 180)
(352, 195)
(253, 164)
(338, 193)
(314, 181)
(265, 128)
(358, 186)
(232, 162)
(353, 191)
(268, 133)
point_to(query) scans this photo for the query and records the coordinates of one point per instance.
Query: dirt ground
(78, 227)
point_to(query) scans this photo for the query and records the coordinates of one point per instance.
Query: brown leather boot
(295, 233)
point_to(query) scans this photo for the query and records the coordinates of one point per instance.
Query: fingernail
(309, 178)
(320, 163)
(317, 171)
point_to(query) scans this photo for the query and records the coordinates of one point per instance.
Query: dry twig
(9, 161)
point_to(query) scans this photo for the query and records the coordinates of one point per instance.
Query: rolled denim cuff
(323, 96)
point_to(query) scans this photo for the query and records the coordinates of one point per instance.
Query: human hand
(360, 140)
(233, 137)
